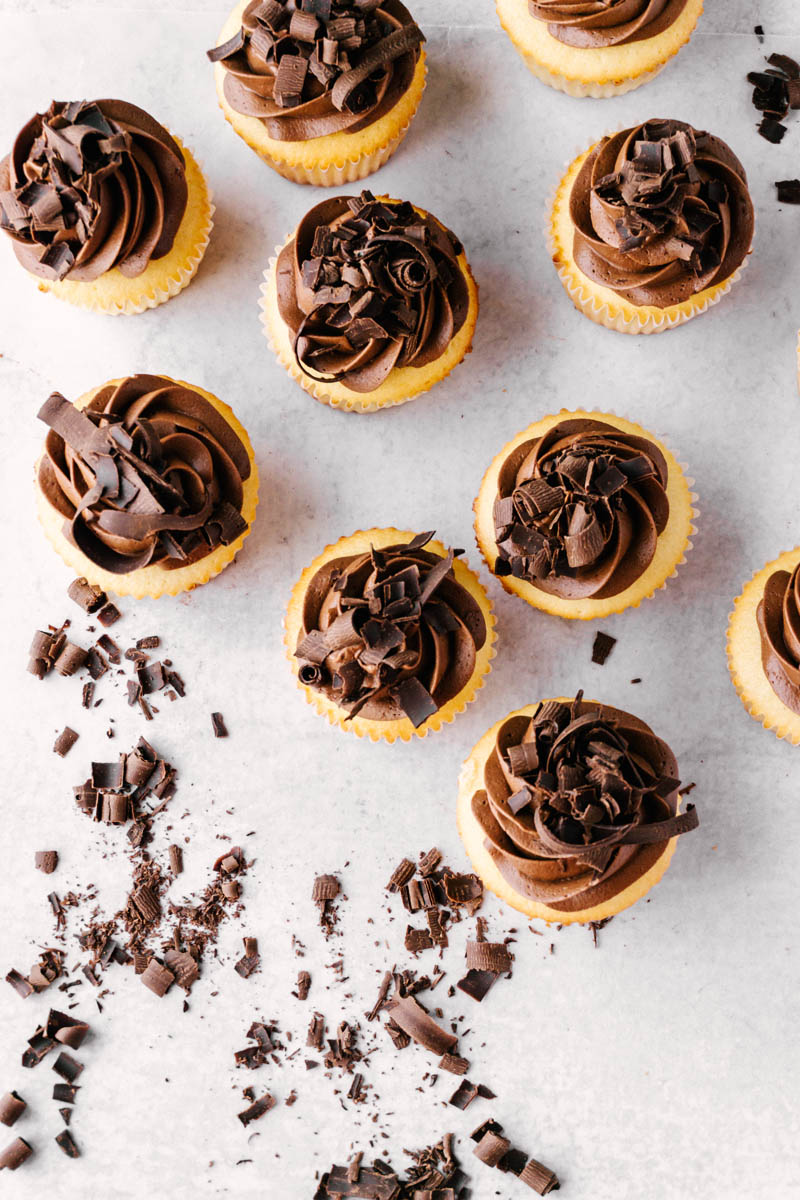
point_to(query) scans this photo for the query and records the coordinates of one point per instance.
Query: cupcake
(369, 303)
(651, 226)
(146, 485)
(389, 634)
(598, 49)
(764, 646)
(104, 207)
(570, 810)
(584, 514)
(324, 93)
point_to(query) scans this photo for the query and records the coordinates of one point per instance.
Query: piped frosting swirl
(660, 212)
(578, 802)
(150, 472)
(591, 24)
(778, 617)
(368, 285)
(390, 633)
(579, 510)
(330, 66)
(92, 185)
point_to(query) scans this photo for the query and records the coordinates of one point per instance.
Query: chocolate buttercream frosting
(149, 473)
(591, 24)
(368, 285)
(91, 185)
(778, 617)
(660, 211)
(578, 802)
(389, 633)
(323, 67)
(579, 510)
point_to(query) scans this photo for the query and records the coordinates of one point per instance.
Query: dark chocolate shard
(477, 983)
(603, 644)
(66, 1142)
(788, 191)
(415, 701)
(257, 1109)
(218, 725)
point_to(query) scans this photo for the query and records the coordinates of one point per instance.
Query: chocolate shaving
(12, 1106)
(257, 1109)
(788, 191)
(46, 861)
(603, 644)
(65, 741)
(15, 1154)
(108, 615)
(412, 1018)
(65, 1140)
(86, 595)
(218, 725)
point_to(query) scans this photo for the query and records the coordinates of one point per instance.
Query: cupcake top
(778, 617)
(578, 802)
(579, 510)
(590, 24)
(366, 285)
(390, 633)
(149, 473)
(91, 185)
(661, 211)
(323, 67)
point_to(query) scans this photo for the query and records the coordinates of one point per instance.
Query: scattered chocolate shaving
(303, 985)
(110, 649)
(12, 1106)
(496, 1151)
(86, 595)
(488, 956)
(218, 725)
(257, 1109)
(20, 983)
(788, 191)
(176, 860)
(46, 861)
(415, 1021)
(477, 983)
(65, 1140)
(15, 1154)
(604, 643)
(454, 1064)
(67, 1067)
(65, 1093)
(158, 978)
(248, 964)
(108, 615)
(324, 892)
(65, 741)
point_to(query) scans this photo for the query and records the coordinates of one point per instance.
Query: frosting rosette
(590, 24)
(577, 802)
(326, 67)
(579, 510)
(778, 616)
(390, 633)
(149, 473)
(90, 186)
(660, 213)
(365, 286)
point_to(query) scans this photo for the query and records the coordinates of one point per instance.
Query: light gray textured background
(662, 1065)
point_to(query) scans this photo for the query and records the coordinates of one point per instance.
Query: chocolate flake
(257, 1109)
(603, 644)
(108, 615)
(218, 725)
(46, 861)
(65, 741)
(65, 1140)
(15, 1154)
(788, 191)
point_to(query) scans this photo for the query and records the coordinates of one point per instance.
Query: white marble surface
(662, 1065)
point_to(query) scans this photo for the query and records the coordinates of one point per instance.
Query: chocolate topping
(92, 185)
(660, 211)
(368, 285)
(579, 510)
(148, 473)
(12, 1106)
(377, 622)
(333, 66)
(778, 616)
(600, 800)
(589, 24)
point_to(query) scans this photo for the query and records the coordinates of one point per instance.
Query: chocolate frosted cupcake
(104, 207)
(764, 646)
(324, 93)
(146, 485)
(584, 514)
(369, 303)
(389, 634)
(570, 809)
(598, 47)
(651, 226)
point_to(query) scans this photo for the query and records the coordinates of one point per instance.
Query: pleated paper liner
(470, 781)
(117, 295)
(672, 547)
(744, 655)
(327, 161)
(153, 580)
(402, 729)
(401, 385)
(597, 72)
(601, 304)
